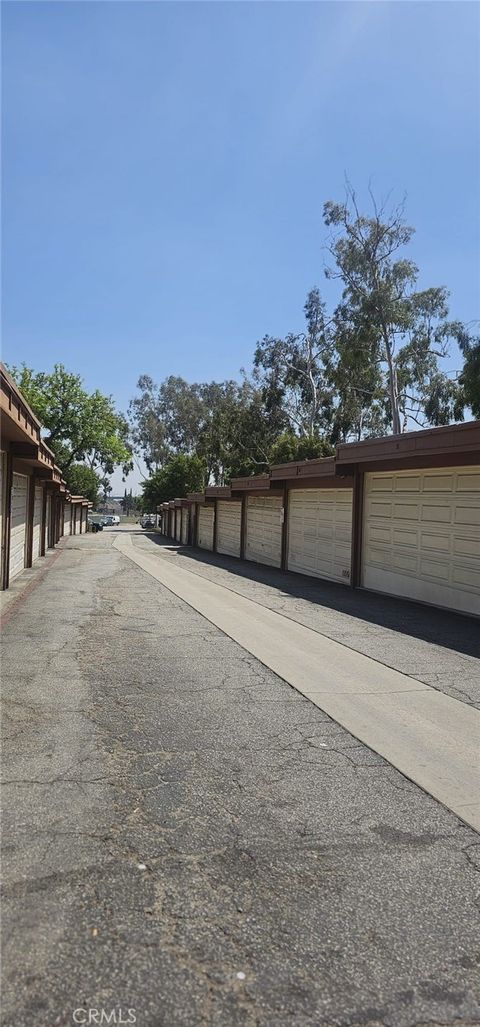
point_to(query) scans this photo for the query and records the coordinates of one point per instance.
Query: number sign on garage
(422, 535)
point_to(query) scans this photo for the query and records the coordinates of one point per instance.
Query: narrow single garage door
(320, 532)
(421, 536)
(37, 521)
(185, 523)
(18, 524)
(48, 516)
(205, 527)
(229, 526)
(264, 530)
(67, 518)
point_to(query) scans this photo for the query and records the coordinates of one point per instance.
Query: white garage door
(185, 523)
(264, 530)
(37, 521)
(320, 532)
(205, 527)
(422, 536)
(229, 523)
(18, 524)
(48, 516)
(67, 518)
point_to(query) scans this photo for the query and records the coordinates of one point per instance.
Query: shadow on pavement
(442, 627)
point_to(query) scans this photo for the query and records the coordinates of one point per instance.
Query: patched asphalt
(176, 815)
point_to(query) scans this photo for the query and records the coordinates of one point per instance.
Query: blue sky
(165, 167)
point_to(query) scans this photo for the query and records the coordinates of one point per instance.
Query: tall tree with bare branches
(292, 372)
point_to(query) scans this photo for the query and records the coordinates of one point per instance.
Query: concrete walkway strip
(430, 737)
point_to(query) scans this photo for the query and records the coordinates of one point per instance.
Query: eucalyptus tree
(292, 371)
(470, 375)
(397, 333)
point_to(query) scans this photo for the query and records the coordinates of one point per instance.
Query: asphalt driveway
(187, 837)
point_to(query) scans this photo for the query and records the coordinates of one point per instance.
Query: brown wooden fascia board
(218, 491)
(195, 497)
(303, 469)
(15, 408)
(444, 442)
(253, 484)
(407, 463)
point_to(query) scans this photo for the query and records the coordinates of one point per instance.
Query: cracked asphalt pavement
(175, 815)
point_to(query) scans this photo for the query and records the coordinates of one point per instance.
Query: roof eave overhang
(450, 444)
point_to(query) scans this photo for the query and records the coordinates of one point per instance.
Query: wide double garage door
(229, 523)
(264, 530)
(320, 533)
(18, 535)
(421, 536)
(205, 527)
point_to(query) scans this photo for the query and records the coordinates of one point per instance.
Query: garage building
(318, 518)
(417, 522)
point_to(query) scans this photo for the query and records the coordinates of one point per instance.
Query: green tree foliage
(225, 424)
(80, 426)
(83, 481)
(470, 375)
(292, 372)
(238, 431)
(372, 365)
(166, 419)
(289, 447)
(389, 337)
(180, 475)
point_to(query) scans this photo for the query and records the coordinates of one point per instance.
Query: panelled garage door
(205, 527)
(320, 533)
(48, 516)
(37, 521)
(229, 522)
(67, 518)
(264, 530)
(178, 524)
(18, 524)
(185, 524)
(422, 535)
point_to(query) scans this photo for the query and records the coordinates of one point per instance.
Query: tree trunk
(392, 386)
